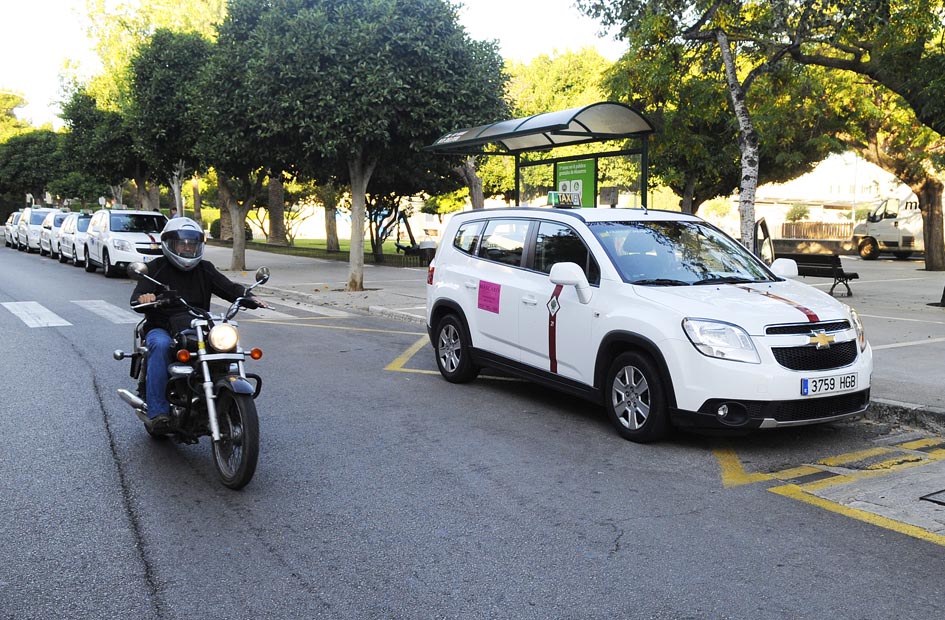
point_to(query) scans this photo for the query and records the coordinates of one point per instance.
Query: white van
(894, 225)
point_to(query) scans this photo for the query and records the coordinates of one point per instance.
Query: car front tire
(107, 269)
(452, 345)
(636, 399)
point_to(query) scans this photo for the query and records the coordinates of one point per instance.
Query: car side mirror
(569, 274)
(784, 268)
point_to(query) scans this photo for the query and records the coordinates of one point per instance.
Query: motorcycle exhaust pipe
(133, 399)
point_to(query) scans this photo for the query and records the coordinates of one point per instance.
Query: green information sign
(577, 178)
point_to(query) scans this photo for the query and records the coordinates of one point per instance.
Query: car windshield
(137, 222)
(677, 253)
(82, 224)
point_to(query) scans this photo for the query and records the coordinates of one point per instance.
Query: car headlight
(721, 340)
(858, 325)
(123, 246)
(223, 338)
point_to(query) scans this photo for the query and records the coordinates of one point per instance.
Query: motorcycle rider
(183, 270)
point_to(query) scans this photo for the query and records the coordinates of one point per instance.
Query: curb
(920, 416)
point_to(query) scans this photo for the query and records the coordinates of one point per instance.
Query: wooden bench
(823, 266)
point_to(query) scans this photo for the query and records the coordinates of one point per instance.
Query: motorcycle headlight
(122, 245)
(721, 340)
(223, 338)
(860, 330)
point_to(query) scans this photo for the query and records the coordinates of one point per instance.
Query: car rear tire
(869, 249)
(636, 399)
(89, 266)
(452, 345)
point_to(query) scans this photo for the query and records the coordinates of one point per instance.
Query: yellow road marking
(852, 457)
(899, 461)
(403, 358)
(733, 473)
(794, 492)
(918, 444)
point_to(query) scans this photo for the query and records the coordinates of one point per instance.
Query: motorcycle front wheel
(236, 453)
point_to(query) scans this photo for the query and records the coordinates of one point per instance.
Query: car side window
(504, 241)
(467, 237)
(558, 243)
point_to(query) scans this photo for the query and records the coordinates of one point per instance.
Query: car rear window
(57, 221)
(137, 222)
(36, 219)
(467, 237)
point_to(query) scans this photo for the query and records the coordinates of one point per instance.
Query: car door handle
(529, 301)
(471, 285)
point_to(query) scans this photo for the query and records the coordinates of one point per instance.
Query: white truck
(894, 225)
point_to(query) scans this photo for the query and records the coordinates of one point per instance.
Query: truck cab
(895, 226)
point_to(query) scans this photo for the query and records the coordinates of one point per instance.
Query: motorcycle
(208, 388)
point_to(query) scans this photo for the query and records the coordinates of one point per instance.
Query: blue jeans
(159, 356)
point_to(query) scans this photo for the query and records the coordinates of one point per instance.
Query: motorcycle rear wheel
(236, 453)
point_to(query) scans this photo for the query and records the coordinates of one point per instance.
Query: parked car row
(109, 239)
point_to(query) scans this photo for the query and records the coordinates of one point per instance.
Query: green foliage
(447, 203)
(98, 144)
(10, 125)
(162, 100)
(797, 212)
(30, 162)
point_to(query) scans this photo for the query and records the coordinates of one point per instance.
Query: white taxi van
(659, 316)
(117, 237)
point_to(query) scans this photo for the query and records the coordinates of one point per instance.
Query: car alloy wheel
(636, 401)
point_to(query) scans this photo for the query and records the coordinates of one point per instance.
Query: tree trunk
(176, 181)
(154, 197)
(237, 216)
(226, 225)
(331, 228)
(467, 172)
(690, 190)
(360, 173)
(142, 198)
(277, 233)
(197, 203)
(747, 142)
(929, 194)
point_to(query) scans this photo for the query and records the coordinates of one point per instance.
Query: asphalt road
(385, 492)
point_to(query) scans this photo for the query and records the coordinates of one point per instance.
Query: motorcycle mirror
(262, 275)
(136, 270)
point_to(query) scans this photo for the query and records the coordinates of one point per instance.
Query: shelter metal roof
(596, 122)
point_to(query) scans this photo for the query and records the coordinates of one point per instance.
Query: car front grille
(807, 328)
(149, 251)
(809, 357)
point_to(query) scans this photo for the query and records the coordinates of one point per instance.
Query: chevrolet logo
(821, 339)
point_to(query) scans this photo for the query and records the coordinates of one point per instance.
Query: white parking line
(899, 318)
(109, 312)
(912, 343)
(34, 314)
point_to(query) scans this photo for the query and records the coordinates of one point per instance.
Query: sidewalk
(891, 296)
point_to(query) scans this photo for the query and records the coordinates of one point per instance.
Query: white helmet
(182, 243)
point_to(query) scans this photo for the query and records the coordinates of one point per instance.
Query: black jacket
(195, 286)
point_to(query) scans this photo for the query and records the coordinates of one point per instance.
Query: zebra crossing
(34, 315)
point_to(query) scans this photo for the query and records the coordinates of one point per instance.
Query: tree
(358, 81)
(98, 143)
(162, 103)
(717, 34)
(10, 125)
(30, 163)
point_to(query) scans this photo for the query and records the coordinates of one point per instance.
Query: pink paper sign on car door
(489, 296)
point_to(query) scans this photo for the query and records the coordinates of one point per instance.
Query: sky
(37, 37)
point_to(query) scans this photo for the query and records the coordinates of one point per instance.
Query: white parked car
(49, 233)
(30, 227)
(72, 238)
(659, 316)
(9, 229)
(117, 237)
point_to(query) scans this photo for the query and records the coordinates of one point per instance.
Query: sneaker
(159, 423)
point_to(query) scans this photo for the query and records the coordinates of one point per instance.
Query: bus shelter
(576, 178)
